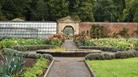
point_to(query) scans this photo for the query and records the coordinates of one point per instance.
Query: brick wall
(110, 27)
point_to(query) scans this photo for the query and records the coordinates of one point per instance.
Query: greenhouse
(27, 29)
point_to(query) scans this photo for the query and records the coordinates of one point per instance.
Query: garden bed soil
(29, 63)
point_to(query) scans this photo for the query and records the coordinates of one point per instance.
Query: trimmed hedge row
(99, 48)
(32, 47)
(108, 56)
(6, 51)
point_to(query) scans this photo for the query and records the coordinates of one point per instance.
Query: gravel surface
(69, 44)
(69, 67)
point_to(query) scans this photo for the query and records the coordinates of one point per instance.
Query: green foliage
(54, 42)
(37, 69)
(42, 10)
(87, 10)
(121, 44)
(131, 11)
(108, 56)
(105, 10)
(7, 43)
(97, 31)
(12, 64)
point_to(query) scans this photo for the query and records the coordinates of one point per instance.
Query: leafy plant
(12, 64)
(8, 43)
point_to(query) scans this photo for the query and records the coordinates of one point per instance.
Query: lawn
(115, 68)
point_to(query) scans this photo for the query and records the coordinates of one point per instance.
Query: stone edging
(90, 70)
(49, 68)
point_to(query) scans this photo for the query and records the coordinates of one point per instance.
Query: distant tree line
(86, 10)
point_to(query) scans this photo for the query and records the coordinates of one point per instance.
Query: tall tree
(42, 10)
(73, 7)
(85, 10)
(131, 12)
(0, 12)
(120, 5)
(8, 8)
(57, 9)
(104, 10)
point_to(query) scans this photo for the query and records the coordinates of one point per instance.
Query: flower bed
(17, 64)
(8, 43)
(120, 44)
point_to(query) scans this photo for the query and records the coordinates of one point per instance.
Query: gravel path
(69, 44)
(69, 67)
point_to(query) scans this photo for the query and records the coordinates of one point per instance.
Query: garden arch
(68, 30)
(68, 24)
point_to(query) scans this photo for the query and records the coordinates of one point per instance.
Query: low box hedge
(108, 56)
(6, 51)
(32, 47)
(100, 48)
(126, 54)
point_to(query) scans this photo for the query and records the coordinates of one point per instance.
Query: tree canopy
(86, 10)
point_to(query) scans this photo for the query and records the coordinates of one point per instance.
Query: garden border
(100, 48)
(90, 70)
(32, 47)
(49, 68)
(66, 54)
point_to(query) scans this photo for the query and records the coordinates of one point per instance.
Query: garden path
(69, 67)
(69, 44)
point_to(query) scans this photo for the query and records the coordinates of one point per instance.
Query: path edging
(90, 70)
(49, 68)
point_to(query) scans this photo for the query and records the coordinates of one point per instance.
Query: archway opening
(68, 31)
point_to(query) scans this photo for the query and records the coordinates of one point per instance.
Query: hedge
(108, 56)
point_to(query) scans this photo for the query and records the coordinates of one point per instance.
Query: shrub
(32, 47)
(37, 56)
(54, 42)
(126, 54)
(60, 37)
(6, 51)
(108, 56)
(99, 56)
